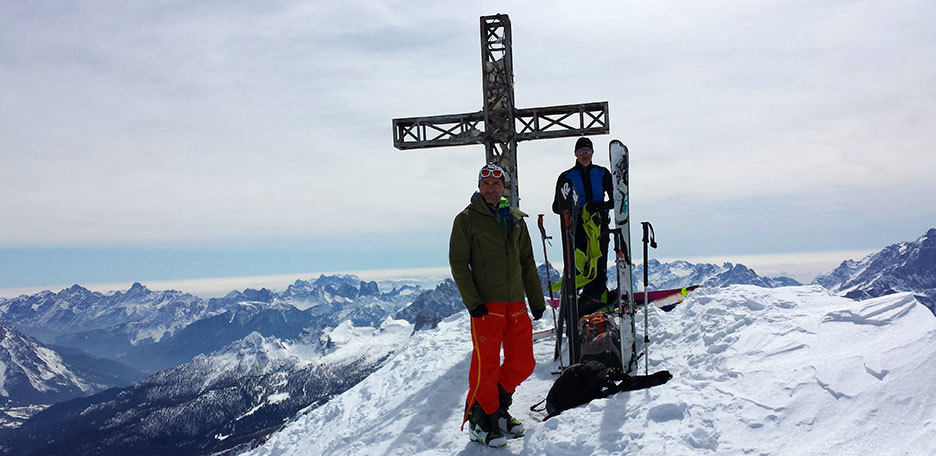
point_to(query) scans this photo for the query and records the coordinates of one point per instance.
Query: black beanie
(583, 142)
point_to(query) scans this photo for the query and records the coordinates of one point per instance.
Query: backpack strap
(536, 407)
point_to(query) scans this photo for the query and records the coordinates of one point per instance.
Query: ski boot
(508, 425)
(482, 428)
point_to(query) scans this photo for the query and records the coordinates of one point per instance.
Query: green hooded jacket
(487, 264)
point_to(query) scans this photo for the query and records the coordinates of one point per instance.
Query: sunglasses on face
(584, 151)
(496, 173)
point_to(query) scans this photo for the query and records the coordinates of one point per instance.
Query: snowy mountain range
(140, 313)
(215, 402)
(907, 266)
(678, 274)
(266, 355)
(151, 331)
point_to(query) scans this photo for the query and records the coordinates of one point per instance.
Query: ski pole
(545, 238)
(648, 237)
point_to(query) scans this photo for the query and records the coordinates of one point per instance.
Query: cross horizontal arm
(562, 121)
(531, 123)
(438, 131)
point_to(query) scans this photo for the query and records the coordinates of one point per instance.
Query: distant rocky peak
(233, 295)
(336, 280)
(137, 290)
(927, 242)
(299, 283)
(344, 289)
(261, 295)
(74, 290)
(369, 289)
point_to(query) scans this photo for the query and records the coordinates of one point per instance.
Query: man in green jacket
(491, 257)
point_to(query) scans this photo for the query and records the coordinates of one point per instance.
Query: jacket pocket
(478, 257)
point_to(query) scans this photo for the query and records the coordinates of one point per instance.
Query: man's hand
(479, 311)
(537, 313)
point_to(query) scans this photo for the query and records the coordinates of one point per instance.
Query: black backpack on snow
(580, 383)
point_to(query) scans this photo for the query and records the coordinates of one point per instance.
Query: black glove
(479, 311)
(537, 313)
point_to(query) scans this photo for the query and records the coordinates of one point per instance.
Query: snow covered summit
(791, 370)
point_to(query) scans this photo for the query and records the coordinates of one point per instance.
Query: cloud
(165, 123)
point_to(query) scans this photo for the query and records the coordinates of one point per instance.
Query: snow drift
(757, 371)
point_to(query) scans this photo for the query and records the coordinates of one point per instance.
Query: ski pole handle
(648, 235)
(539, 223)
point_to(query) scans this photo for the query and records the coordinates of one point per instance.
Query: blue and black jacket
(591, 183)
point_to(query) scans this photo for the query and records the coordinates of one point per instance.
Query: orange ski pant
(507, 324)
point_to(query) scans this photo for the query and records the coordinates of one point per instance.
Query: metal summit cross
(499, 125)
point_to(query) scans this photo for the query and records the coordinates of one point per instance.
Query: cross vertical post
(500, 143)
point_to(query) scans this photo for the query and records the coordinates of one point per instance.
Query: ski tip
(617, 143)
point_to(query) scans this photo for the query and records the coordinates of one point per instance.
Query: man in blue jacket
(593, 184)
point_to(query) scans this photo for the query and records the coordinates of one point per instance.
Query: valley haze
(804, 267)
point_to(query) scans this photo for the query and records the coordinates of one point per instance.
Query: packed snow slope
(791, 370)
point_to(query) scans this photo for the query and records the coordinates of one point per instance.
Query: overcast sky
(166, 140)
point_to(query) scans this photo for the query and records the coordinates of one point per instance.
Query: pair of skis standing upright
(568, 307)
